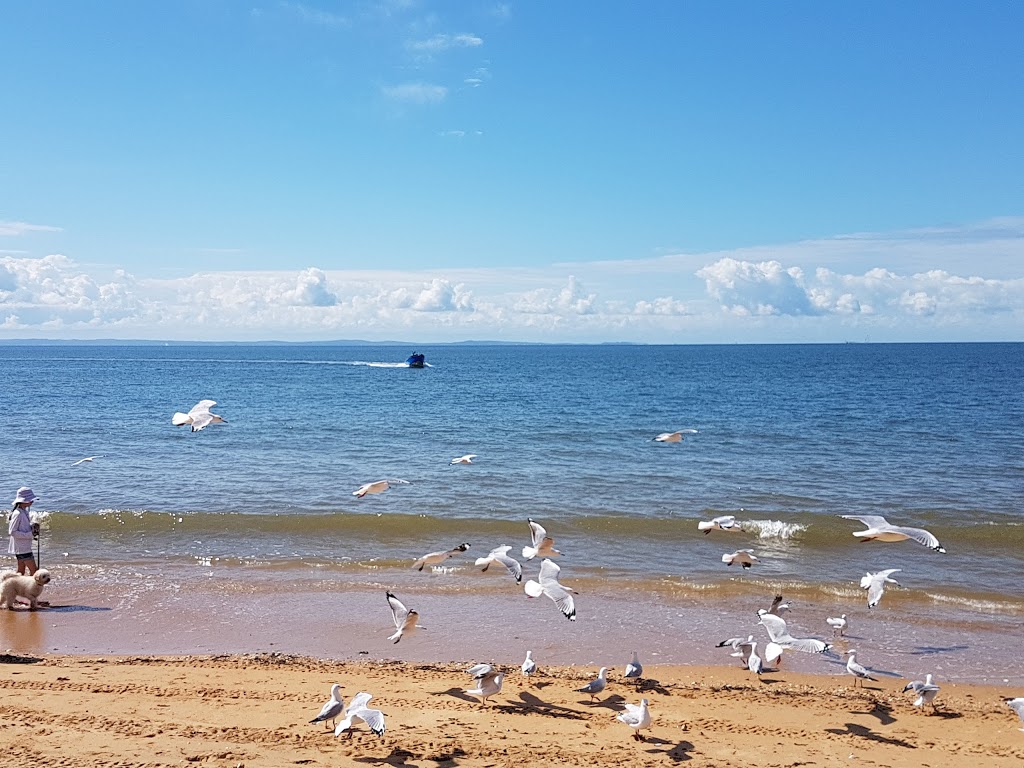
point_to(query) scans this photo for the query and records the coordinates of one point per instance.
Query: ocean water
(789, 439)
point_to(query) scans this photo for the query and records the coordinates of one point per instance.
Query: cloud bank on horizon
(951, 284)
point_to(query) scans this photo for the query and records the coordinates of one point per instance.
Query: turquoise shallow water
(789, 438)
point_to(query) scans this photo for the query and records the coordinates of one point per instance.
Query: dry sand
(254, 711)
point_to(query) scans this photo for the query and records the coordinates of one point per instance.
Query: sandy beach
(254, 711)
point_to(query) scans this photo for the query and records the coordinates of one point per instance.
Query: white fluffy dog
(27, 588)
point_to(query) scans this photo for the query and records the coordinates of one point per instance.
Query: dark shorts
(26, 556)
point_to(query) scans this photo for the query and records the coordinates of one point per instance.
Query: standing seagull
(859, 671)
(1017, 705)
(540, 543)
(673, 437)
(596, 685)
(487, 685)
(435, 558)
(87, 458)
(744, 557)
(529, 665)
(373, 718)
(720, 523)
(634, 670)
(838, 625)
(500, 555)
(926, 691)
(874, 583)
(636, 717)
(378, 486)
(332, 708)
(405, 620)
(879, 529)
(547, 584)
(199, 417)
(754, 663)
(467, 459)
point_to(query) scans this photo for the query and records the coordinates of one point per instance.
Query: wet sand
(253, 711)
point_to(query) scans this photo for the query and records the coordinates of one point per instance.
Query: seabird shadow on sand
(647, 684)
(929, 650)
(457, 693)
(679, 753)
(13, 658)
(880, 710)
(855, 729)
(533, 704)
(400, 757)
(77, 609)
(614, 701)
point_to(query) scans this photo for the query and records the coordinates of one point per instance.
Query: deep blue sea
(789, 438)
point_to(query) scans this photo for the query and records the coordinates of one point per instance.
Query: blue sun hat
(25, 496)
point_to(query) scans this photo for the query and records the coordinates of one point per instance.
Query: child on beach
(22, 531)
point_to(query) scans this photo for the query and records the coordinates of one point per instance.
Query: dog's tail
(8, 575)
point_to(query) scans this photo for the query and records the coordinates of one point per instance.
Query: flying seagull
(467, 459)
(540, 543)
(596, 685)
(547, 584)
(358, 710)
(777, 608)
(740, 647)
(378, 486)
(87, 458)
(199, 417)
(874, 583)
(405, 620)
(500, 555)
(636, 717)
(879, 529)
(721, 523)
(782, 640)
(673, 437)
(744, 557)
(434, 558)
(332, 708)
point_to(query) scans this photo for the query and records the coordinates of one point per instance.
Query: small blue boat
(415, 360)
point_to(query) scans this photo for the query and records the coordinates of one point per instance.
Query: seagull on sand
(636, 717)
(378, 486)
(781, 640)
(879, 529)
(859, 671)
(754, 663)
(405, 620)
(926, 691)
(540, 543)
(87, 458)
(1017, 705)
(838, 625)
(435, 558)
(740, 647)
(487, 685)
(199, 417)
(529, 665)
(358, 710)
(673, 437)
(547, 584)
(596, 685)
(744, 557)
(500, 555)
(467, 459)
(332, 708)
(634, 670)
(874, 583)
(480, 671)
(720, 523)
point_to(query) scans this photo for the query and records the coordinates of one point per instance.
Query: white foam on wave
(773, 529)
(984, 606)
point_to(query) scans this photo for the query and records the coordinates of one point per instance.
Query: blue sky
(667, 172)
